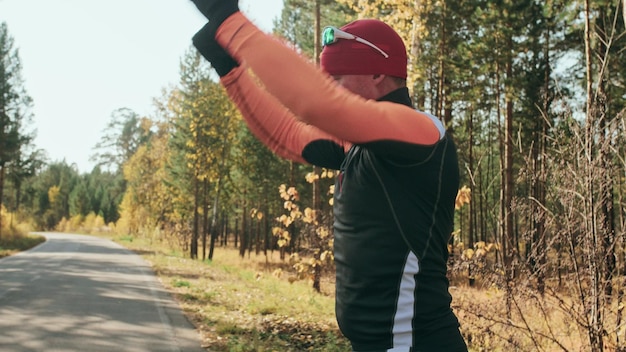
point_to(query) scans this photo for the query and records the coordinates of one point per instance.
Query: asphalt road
(83, 293)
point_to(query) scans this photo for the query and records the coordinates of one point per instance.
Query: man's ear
(378, 78)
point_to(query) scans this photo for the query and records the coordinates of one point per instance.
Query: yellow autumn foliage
(463, 197)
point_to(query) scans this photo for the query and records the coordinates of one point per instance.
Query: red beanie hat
(350, 57)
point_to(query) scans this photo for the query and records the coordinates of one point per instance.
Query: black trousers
(444, 340)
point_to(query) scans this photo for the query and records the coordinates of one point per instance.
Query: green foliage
(79, 200)
(60, 192)
(18, 159)
(124, 134)
(106, 190)
(181, 283)
(296, 24)
(125, 238)
(14, 102)
(49, 194)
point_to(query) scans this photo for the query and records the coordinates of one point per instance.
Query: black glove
(210, 49)
(217, 11)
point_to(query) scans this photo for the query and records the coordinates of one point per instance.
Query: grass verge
(245, 304)
(11, 244)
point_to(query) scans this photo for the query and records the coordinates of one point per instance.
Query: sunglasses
(331, 35)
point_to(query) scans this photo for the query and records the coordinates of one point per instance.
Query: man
(394, 196)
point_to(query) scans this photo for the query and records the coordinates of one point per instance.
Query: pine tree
(15, 115)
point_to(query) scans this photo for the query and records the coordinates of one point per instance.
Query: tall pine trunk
(1, 195)
(593, 304)
(193, 248)
(244, 225)
(507, 218)
(205, 216)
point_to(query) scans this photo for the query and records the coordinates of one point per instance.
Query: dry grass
(532, 323)
(253, 304)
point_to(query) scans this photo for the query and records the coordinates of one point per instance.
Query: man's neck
(399, 95)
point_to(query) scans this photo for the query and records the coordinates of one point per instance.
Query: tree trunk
(266, 230)
(624, 11)
(537, 247)
(257, 232)
(213, 227)
(607, 226)
(196, 218)
(1, 195)
(18, 197)
(591, 236)
(507, 227)
(236, 233)
(205, 216)
(441, 73)
(471, 235)
(224, 230)
(244, 228)
(508, 176)
(316, 183)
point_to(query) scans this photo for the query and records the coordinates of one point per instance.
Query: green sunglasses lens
(328, 36)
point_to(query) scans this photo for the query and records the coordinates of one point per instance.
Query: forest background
(534, 93)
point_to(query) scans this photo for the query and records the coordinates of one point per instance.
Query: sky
(84, 59)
